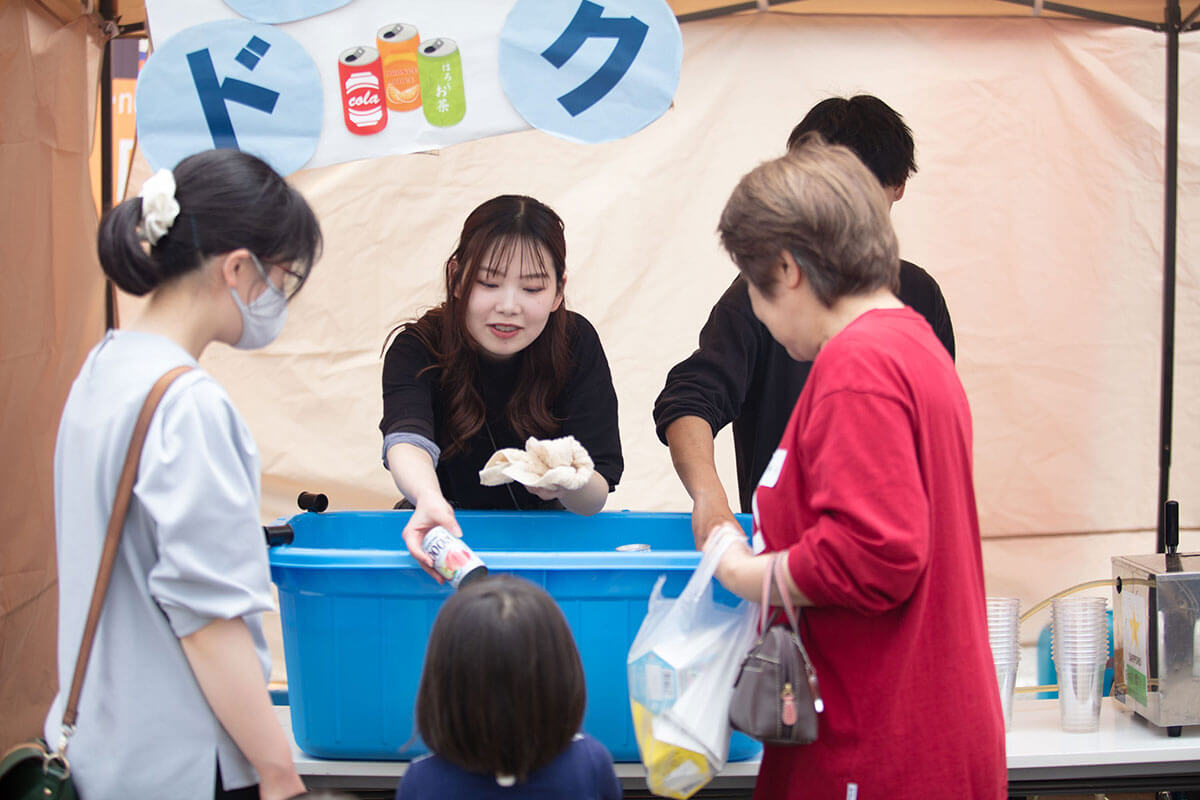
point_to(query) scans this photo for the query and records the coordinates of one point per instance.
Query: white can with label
(453, 560)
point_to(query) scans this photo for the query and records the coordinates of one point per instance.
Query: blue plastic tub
(357, 611)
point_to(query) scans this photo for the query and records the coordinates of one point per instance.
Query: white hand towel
(550, 464)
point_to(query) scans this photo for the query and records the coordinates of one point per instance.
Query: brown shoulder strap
(113, 538)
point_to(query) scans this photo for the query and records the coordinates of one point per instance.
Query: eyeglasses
(292, 280)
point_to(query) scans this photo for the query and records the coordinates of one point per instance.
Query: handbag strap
(775, 570)
(765, 606)
(112, 539)
(778, 566)
(778, 569)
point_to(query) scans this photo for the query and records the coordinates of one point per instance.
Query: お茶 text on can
(443, 98)
(398, 50)
(453, 560)
(360, 75)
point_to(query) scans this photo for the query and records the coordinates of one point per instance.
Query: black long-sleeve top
(414, 403)
(740, 374)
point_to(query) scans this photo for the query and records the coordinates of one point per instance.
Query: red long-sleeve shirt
(871, 494)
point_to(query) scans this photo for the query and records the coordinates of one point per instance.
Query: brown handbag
(32, 770)
(776, 699)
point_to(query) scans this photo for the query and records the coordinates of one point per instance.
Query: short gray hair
(824, 207)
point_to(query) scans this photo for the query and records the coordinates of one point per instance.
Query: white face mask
(263, 319)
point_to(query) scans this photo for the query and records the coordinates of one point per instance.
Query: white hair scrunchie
(159, 206)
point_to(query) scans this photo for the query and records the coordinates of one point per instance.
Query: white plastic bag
(681, 669)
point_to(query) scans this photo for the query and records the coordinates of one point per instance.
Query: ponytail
(123, 254)
(227, 200)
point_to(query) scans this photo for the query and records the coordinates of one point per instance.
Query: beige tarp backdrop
(51, 312)
(1038, 207)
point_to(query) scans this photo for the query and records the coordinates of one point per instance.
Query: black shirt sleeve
(589, 402)
(712, 382)
(921, 292)
(408, 394)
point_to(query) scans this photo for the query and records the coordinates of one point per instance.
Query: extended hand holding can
(430, 513)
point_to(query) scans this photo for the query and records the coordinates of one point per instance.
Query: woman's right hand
(413, 470)
(430, 512)
(710, 512)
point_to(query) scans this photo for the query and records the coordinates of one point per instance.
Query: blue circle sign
(590, 71)
(277, 11)
(231, 84)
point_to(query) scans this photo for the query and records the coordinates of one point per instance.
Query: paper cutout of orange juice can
(397, 44)
(443, 98)
(360, 76)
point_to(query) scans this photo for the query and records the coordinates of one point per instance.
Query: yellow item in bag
(671, 770)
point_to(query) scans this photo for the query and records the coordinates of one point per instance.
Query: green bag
(30, 771)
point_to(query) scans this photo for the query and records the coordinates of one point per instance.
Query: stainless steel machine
(1156, 632)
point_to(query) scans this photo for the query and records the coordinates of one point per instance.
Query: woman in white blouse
(175, 703)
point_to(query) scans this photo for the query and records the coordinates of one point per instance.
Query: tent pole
(106, 154)
(1092, 14)
(1189, 20)
(1168, 322)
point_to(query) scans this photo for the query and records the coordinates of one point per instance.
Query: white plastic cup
(1003, 626)
(1006, 679)
(1080, 686)
(1079, 644)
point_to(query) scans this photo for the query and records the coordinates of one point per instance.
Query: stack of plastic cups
(1003, 625)
(1079, 643)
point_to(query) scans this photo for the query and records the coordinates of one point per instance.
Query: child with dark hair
(501, 699)
(175, 703)
(499, 361)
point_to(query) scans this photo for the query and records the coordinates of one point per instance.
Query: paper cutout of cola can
(360, 76)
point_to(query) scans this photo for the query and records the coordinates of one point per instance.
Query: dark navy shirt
(584, 771)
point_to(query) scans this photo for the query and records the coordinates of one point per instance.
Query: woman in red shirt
(870, 495)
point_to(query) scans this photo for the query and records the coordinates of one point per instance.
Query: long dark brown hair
(496, 234)
(502, 690)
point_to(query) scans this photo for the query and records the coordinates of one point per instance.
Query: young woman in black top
(500, 360)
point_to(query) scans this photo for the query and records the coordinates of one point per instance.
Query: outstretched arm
(691, 442)
(413, 471)
(742, 573)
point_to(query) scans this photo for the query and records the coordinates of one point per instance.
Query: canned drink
(443, 98)
(360, 75)
(632, 548)
(397, 45)
(453, 560)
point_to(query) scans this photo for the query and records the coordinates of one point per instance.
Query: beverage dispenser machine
(1156, 632)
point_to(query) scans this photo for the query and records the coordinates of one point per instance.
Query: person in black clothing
(499, 361)
(739, 373)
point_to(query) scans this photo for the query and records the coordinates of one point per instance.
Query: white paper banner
(384, 77)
